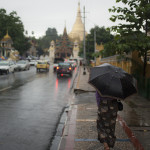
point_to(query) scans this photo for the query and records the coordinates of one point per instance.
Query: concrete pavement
(80, 132)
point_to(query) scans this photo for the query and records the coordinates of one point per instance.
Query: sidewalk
(80, 132)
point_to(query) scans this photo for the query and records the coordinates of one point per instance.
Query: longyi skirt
(107, 114)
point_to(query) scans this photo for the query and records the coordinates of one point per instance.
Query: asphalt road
(30, 108)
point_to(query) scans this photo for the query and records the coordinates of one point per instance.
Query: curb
(130, 134)
(71, 129)
(67, 139)
(76, 81)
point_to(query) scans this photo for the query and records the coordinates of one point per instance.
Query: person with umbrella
(111, 83)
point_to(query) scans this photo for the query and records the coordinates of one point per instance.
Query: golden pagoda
(77, 32)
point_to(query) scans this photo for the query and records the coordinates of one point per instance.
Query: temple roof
(6, 38)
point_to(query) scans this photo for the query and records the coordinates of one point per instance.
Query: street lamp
(148, 52)
(84, 72)
(95, 44)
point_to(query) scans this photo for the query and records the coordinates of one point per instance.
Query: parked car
(16, 67)
(6, 67)
(23, 65)
(42, 65)
(64, 68)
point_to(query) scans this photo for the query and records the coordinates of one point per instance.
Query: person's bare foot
(106, 147)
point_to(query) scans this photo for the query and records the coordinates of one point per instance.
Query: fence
(127, 65)
(143, 86)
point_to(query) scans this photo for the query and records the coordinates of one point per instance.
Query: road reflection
(56, 86)
(69, 81)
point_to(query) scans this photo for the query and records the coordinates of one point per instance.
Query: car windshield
(21, 62)
(63, 65)
(71, 62)
(4, 63)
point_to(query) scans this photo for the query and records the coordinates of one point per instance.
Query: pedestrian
(80, 63)
(106, 121)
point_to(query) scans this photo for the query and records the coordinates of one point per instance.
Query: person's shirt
(99, 98)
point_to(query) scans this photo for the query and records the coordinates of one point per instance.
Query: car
(42, 65)
(16, 67)
(73, 63)
(33, 62)
(56, 62)
(23, 65)
(6, 67)
(55, 67)
(64, 68)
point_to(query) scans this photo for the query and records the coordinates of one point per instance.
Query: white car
(6, 67)
(33, 62)
(23, 65)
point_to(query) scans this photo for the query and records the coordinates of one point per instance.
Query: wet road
(30, 107)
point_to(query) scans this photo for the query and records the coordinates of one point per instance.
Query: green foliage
(13, 24)
(132, 35)
(102, 36)
(50, 34)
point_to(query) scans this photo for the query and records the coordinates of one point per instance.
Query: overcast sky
(38, 15)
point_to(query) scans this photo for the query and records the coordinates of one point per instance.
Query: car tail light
(61, 74)
(57, 68)
(69, 68)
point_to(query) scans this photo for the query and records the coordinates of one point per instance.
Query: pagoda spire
(78, 27)
(65, 30)
(78, 17)
(7, 35)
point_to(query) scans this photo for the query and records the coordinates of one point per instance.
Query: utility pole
(84, 52)
(95, 45)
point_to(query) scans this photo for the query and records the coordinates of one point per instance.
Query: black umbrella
(112, 81)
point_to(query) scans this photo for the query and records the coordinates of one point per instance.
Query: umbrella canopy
(112, 81)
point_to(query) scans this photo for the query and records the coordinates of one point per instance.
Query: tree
(102, 36)
(132, 35)
(50, 34)
(14, 25)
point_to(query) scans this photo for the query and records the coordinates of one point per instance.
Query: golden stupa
(78, 27)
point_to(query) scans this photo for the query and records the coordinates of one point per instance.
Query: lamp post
(148, 52)
(84, 72)
(95, 44)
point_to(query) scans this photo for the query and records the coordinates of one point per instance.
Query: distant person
(106, 121)
(80, 63)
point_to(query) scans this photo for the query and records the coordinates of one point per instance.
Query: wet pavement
(31, 108)
(132, 127)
